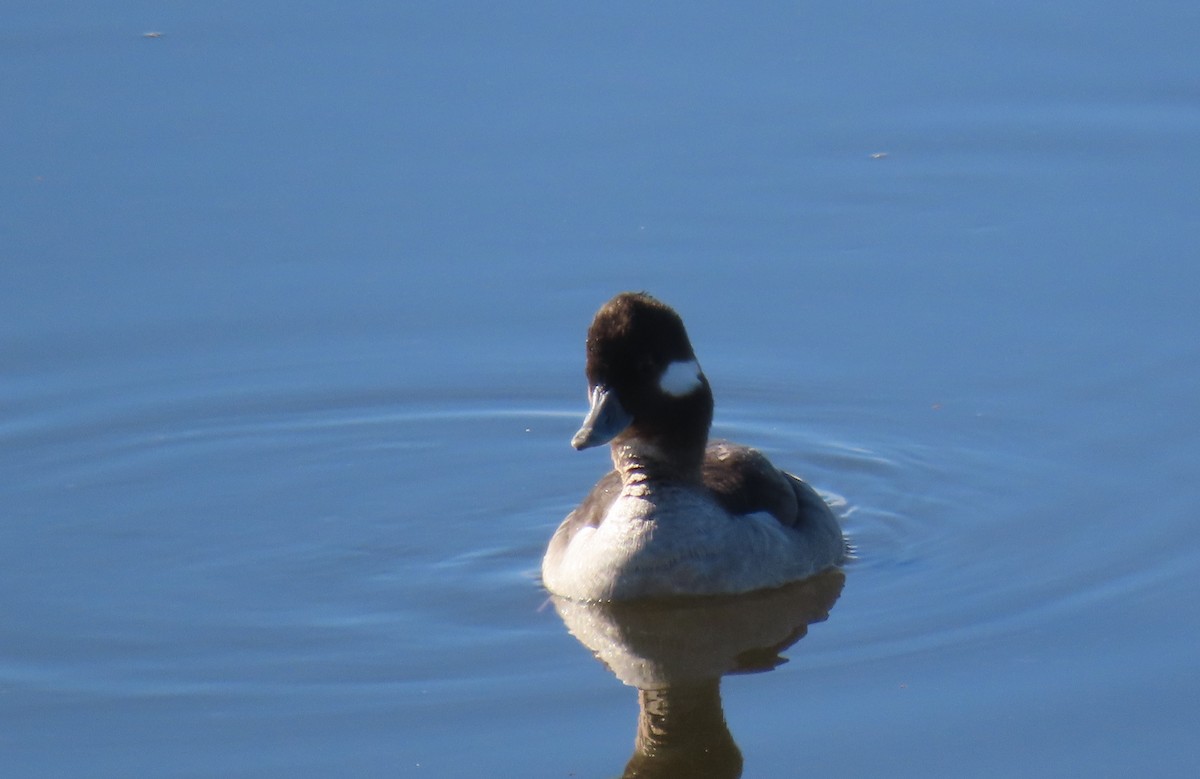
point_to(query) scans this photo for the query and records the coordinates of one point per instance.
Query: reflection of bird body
(677, 516)
(675, 652)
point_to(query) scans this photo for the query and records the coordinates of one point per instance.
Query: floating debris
(152, 35)
(879, 155)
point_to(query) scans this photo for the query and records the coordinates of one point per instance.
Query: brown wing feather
(744, 481)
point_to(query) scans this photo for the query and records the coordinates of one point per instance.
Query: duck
(678, 515)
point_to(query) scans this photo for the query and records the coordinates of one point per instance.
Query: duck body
(677, 515)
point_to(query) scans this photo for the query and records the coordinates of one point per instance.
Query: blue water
(293, 303)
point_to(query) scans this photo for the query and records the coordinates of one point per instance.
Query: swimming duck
(677, 515)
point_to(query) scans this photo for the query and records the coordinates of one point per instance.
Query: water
(294, 300)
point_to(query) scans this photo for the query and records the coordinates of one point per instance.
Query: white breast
(681, 543)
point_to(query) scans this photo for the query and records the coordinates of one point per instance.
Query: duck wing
(744, 481)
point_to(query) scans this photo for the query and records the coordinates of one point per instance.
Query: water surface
(294, 300)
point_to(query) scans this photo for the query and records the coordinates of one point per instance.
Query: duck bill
(605, 419)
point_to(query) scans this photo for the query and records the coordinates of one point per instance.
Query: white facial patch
(680, 378)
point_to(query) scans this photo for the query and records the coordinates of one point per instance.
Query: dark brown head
(643, 378)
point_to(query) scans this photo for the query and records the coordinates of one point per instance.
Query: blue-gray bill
(604, 421)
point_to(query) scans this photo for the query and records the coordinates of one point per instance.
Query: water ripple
(349, 508)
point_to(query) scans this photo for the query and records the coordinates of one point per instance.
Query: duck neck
(643, 463)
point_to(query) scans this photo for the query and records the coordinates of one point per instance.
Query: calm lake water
(294, 298)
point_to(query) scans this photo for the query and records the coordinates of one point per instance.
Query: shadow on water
(675, 653)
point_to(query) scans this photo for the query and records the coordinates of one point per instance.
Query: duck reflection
(675, 653)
